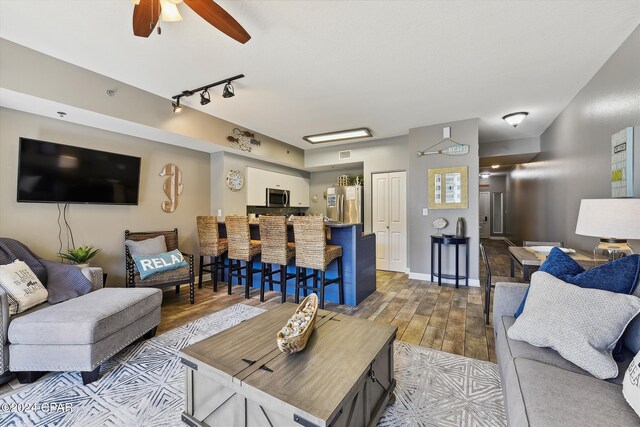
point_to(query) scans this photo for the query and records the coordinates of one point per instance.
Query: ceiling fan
(147, 12)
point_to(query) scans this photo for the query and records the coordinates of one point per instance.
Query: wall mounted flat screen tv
(56, 173)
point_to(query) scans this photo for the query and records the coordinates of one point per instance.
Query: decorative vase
(460, 227)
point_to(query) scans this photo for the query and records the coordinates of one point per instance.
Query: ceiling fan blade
(219, 18)
(145, 17)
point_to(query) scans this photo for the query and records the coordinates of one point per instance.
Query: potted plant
(80, 256)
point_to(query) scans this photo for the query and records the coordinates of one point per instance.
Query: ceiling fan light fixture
(228, 91)
(174, 1)
(169, 11)
(339, 135)
(205, 98)
(514, 119)
(136, 2)
(176, 106)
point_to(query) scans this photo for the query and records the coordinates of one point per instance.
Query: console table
(450, 240)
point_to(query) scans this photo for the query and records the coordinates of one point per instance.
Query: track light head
(228, 91)
(205, 98)
(176, 106)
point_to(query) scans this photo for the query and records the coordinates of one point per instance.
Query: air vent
(344, 155)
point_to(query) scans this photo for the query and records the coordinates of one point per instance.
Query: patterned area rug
(144, 386)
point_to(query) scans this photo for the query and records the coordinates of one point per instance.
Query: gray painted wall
(510, 147)
(419, 226)
(382, 155)
(574, 162)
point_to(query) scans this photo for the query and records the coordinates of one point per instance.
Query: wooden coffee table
(238, 377)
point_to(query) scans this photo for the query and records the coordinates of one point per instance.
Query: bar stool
(276, 250)
(213, 246)
(312, 252)
(241, 248)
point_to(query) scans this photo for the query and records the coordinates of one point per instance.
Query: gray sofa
(77, 333)
(541, 388)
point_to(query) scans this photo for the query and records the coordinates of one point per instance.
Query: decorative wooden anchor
(172, 186)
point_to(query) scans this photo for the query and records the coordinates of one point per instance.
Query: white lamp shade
(609, 218)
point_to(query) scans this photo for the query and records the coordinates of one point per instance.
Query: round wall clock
(235, 181)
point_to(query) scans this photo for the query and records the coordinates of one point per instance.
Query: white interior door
(380, 202)
(484, 214)
(398, 221)
(390, 220)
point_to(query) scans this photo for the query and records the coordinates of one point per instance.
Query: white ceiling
(318, 66)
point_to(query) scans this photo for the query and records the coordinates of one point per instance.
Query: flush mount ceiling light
(228, 91)
(339, 135)
(514, 119)
(495, 166)
(205, 98)
(485, 175)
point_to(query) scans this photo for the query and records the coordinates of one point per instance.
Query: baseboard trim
(427, 277)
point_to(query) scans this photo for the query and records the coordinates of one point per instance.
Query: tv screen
(56, 173)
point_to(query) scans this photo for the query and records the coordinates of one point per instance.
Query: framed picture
(448, 188)
(622, 163)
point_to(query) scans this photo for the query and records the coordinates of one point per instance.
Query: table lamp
(613, 221)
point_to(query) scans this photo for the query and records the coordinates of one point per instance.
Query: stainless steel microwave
(277, 198)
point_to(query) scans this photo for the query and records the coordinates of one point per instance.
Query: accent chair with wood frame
(165, 279)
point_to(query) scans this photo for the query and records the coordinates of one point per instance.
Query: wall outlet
(219, 212)
(425, 212)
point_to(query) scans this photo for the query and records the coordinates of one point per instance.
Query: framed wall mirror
(497, 213)
(448, 188)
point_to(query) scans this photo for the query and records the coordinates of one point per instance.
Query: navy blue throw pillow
(620, 276)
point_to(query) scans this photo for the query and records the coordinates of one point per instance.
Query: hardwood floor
(443, 318)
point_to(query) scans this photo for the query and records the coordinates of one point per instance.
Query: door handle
(485, 218)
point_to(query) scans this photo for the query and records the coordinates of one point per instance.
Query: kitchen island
(358, 261)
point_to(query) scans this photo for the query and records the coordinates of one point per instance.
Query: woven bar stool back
(211, 245)
(312, 252)
(273, 238)
(276, 250)
(310, 242)
(241, 248)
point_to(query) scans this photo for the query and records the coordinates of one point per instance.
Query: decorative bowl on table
(293, 337)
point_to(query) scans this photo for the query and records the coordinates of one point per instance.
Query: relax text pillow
(152, 264)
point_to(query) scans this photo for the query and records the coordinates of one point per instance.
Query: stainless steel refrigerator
(345, 204)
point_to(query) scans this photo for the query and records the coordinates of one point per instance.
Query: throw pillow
(631, 384)
(22, 287)
(582, 325)
(153, 246)
(619, 276)
(65, 282)
(149, 265)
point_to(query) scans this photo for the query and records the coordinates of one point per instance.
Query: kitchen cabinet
(257, 187)
(299, 192)
(258, 180)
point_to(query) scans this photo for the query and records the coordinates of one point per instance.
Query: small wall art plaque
(622, 163)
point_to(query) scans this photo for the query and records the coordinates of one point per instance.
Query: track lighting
(514, 119)
(205, 97)
(176, 105)
(228, 91)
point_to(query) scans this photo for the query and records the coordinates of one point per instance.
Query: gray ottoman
(82, 333)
